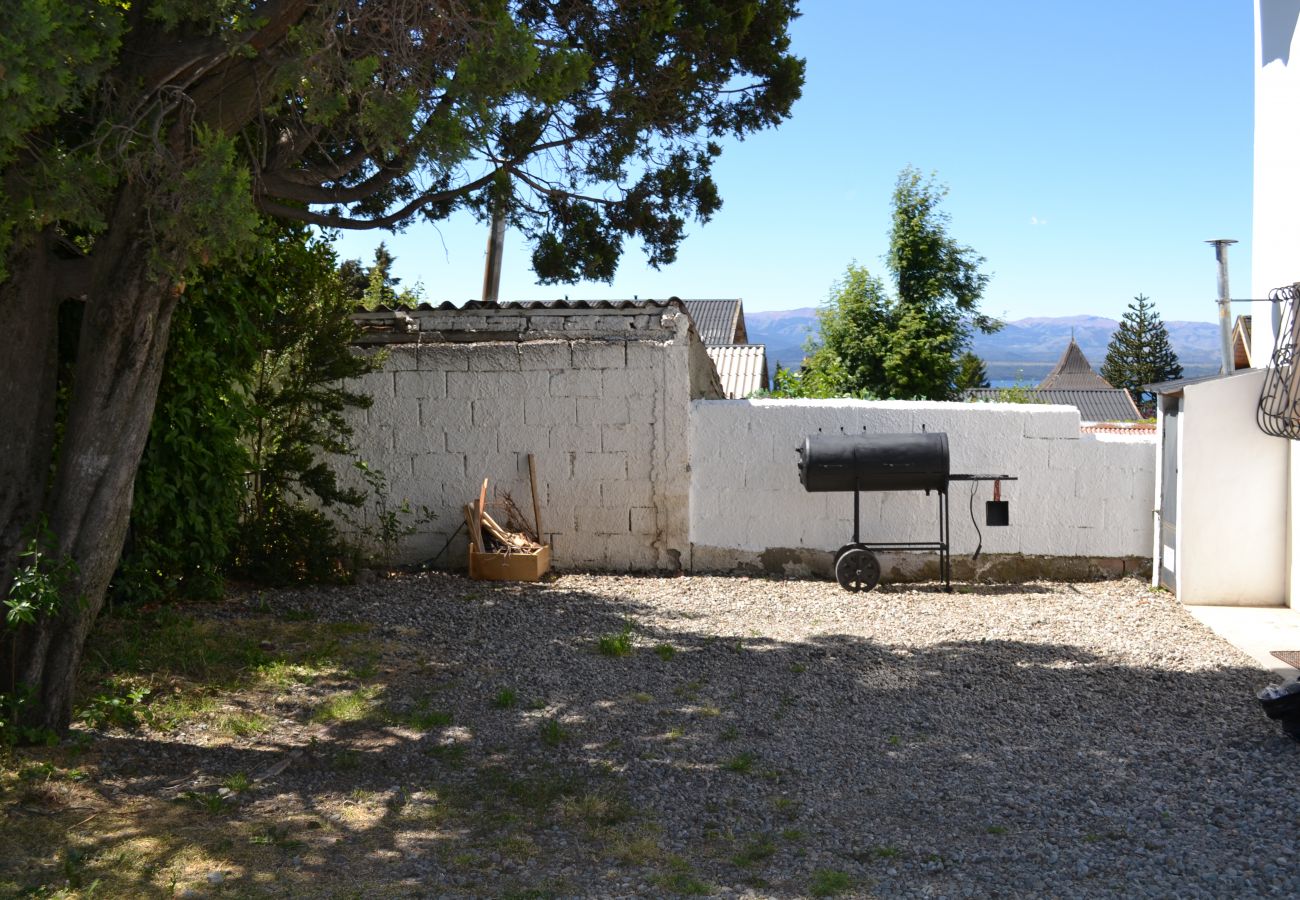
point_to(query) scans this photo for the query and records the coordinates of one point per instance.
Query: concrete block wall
(1078, 495)
(601, 398)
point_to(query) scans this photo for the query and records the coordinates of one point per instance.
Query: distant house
(1241, 358)
(1073, 382)
(742, 366)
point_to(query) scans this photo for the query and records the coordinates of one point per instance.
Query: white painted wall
(1232, 506)
(1275, 232)
(600, 398)
(1077, 495)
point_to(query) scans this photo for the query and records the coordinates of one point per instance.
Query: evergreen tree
(354, 279)
(905, 345)
(1139, 353)
(381, 285)
(971, 372)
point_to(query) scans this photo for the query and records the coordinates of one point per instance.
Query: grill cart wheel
(857, 569)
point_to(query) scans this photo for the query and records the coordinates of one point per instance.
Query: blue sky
(1089, 149)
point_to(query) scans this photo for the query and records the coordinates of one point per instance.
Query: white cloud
(1035, 221)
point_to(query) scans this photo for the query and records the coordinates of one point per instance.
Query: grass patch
(996, 829)
(422, 718)
(615, 645)
(741, 763)
(681, 879)
(240, 723)
(757, 850)
(553, 734)
(665, 651)
(353, 706)
(829, 883)
(505, 699)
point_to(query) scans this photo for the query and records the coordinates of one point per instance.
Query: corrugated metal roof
(742, 368)
(447, 305)
(1074, 373)
(1110, 405)
(719, 322)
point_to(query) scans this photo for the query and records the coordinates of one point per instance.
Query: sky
(1089, 151)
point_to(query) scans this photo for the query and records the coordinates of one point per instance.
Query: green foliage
(36, 593)
(381, 285)
(829, 883)
(249, 403)
(615, 645)
(908, 344)
(1139, 353)
(971, 372)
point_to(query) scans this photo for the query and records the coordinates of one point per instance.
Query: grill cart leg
(945, 558)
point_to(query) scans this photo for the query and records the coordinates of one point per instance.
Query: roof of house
(566, 304)
(1132, 429)
(1074, 373)
(1108, 405)
(719, 322)
(742, 368)
(1241, 343)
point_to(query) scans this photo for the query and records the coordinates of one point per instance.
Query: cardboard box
(509, 566)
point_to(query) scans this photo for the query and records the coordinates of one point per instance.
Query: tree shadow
(708, 757)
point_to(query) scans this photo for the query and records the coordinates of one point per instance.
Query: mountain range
(1025, 349)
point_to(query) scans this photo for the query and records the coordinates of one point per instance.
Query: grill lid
(874, 462)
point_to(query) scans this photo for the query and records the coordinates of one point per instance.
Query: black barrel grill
(888, 462)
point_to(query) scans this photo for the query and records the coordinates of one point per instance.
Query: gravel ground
(755, 738)
(1028, 740)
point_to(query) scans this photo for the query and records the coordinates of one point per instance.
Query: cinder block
(438, 469)
(494, 357)
(632, 492)
(601, 466)
(1051, 423)
(535, 439)
(473, 441)
(644, 520)
(412, 440)
(550, 410)
(421, 385)
(599, 354)
(447, 415)
(644, 356)
(598, 520)
(376, 385)
(546, 323)
(542, 355)
(642, 410)
(402, 358)
(440, 357)
(498, 412)
(576, 383)
(635, 438)
(602, 411)
(472, 385)
(619, 383)
(575, 437)
(630, 553)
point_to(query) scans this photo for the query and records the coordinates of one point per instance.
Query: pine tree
(1139, 353)
(971, 372)
(380, 290)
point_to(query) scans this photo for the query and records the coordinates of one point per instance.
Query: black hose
(979, 546)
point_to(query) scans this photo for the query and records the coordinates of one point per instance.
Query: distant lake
(1011, 382)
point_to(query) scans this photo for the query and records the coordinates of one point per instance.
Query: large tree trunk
(29, 319)
(119, 363)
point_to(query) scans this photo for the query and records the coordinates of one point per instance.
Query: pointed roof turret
(1074, 373)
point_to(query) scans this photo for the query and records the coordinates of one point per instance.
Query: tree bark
(29, 319)
(119, 364)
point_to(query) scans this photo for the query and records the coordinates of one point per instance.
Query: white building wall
(1078, 495)
(601, 401)
(1231, 531)
(1275, 232)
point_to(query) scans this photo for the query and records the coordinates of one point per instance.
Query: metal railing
(1278, 412)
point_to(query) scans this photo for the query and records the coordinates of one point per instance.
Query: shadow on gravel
(503, 754)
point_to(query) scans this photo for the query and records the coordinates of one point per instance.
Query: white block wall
(604, 410)
(1078, 495)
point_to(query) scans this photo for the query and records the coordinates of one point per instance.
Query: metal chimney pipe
(1225, 305)
(492, 268)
